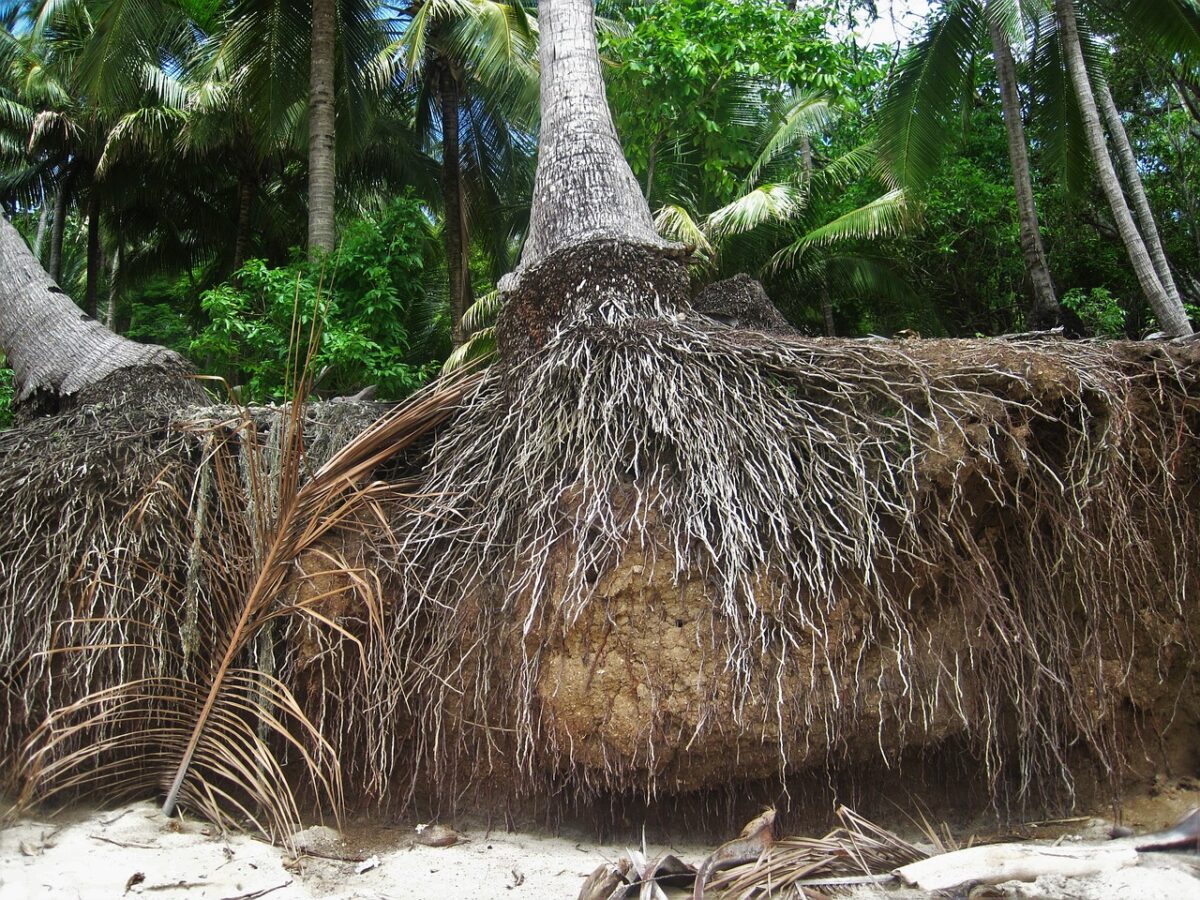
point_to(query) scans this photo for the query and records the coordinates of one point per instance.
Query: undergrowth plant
(381, 326)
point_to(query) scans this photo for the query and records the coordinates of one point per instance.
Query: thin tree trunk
(584, 189)
(321, 141)
(454, 232)
(1045, 312)
(1171, 315)
(1136, 191)
(43, 220)
(827, 313)
(95, 260)
(806, 158)
(241, 240)
(57, 229)
(51, 346)
(115, 284)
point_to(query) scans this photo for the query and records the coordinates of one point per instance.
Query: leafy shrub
(379, 325)
(1098, 309)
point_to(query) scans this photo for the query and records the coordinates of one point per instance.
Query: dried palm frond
(857, 849)
(209, 723)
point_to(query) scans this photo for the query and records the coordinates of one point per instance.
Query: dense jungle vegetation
(156, 155)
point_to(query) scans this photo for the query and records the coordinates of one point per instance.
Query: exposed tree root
(654, 554)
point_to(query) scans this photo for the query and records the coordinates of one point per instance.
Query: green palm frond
(851, 166)
(483, 312)
(915, 120)
(498, 41)
(151, 133)
(411, 49)
(1171, 27)
(675, 223)
(476, 350)
(807, 116)
(854, 275)
(884, 216)
(766, 203)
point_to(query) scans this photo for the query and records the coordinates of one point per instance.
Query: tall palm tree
(1169, 311)
(322, 156)
(470, 65)
(916, 120)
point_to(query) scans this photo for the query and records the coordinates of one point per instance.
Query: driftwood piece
(1012, 862)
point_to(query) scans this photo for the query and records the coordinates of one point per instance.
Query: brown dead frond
(857, 851)
(181, 691)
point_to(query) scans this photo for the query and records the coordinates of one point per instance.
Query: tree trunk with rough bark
(57, 229)
(51, 345)
(584, 189)
(455, 232)
(43, 221)
(322, 158)
(1136, 191)
(95, 259)
(592, 250)
(1171, 315)
(1045, 312)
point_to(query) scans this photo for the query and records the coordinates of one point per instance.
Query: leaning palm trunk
(1045, 312)
(50, 344)
(321, 144)
(1136, 191)
(1171, 315)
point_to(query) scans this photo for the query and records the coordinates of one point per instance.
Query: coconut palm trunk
(95, 258)
(52, 347)
(584, 189)
(1045, 312)
(1135, 190)
(1170, 314)
(242, 238)
(58, 229)
(43, 221)
(455, 232)
(321, 141)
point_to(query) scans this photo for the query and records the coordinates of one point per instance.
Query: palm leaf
(766, 203)
(916, 115)
(675, 223)
(808, 115)
(1170, 26)
(883, 216)
(213, 740)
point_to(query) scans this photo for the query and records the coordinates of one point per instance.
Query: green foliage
(6, 394)
(1098, 309)
(378, 325)
(698, 83)
(158, 313)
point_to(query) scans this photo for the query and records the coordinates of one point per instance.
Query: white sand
(93, 855)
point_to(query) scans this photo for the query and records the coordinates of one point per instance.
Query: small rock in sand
(318, 839)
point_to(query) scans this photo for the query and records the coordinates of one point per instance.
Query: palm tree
(916, 120)
(1169, 311)
(777, 229)
(470, 66)
(322, 156)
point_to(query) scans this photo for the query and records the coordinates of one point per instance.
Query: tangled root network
(663, 554)
(651, 554)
